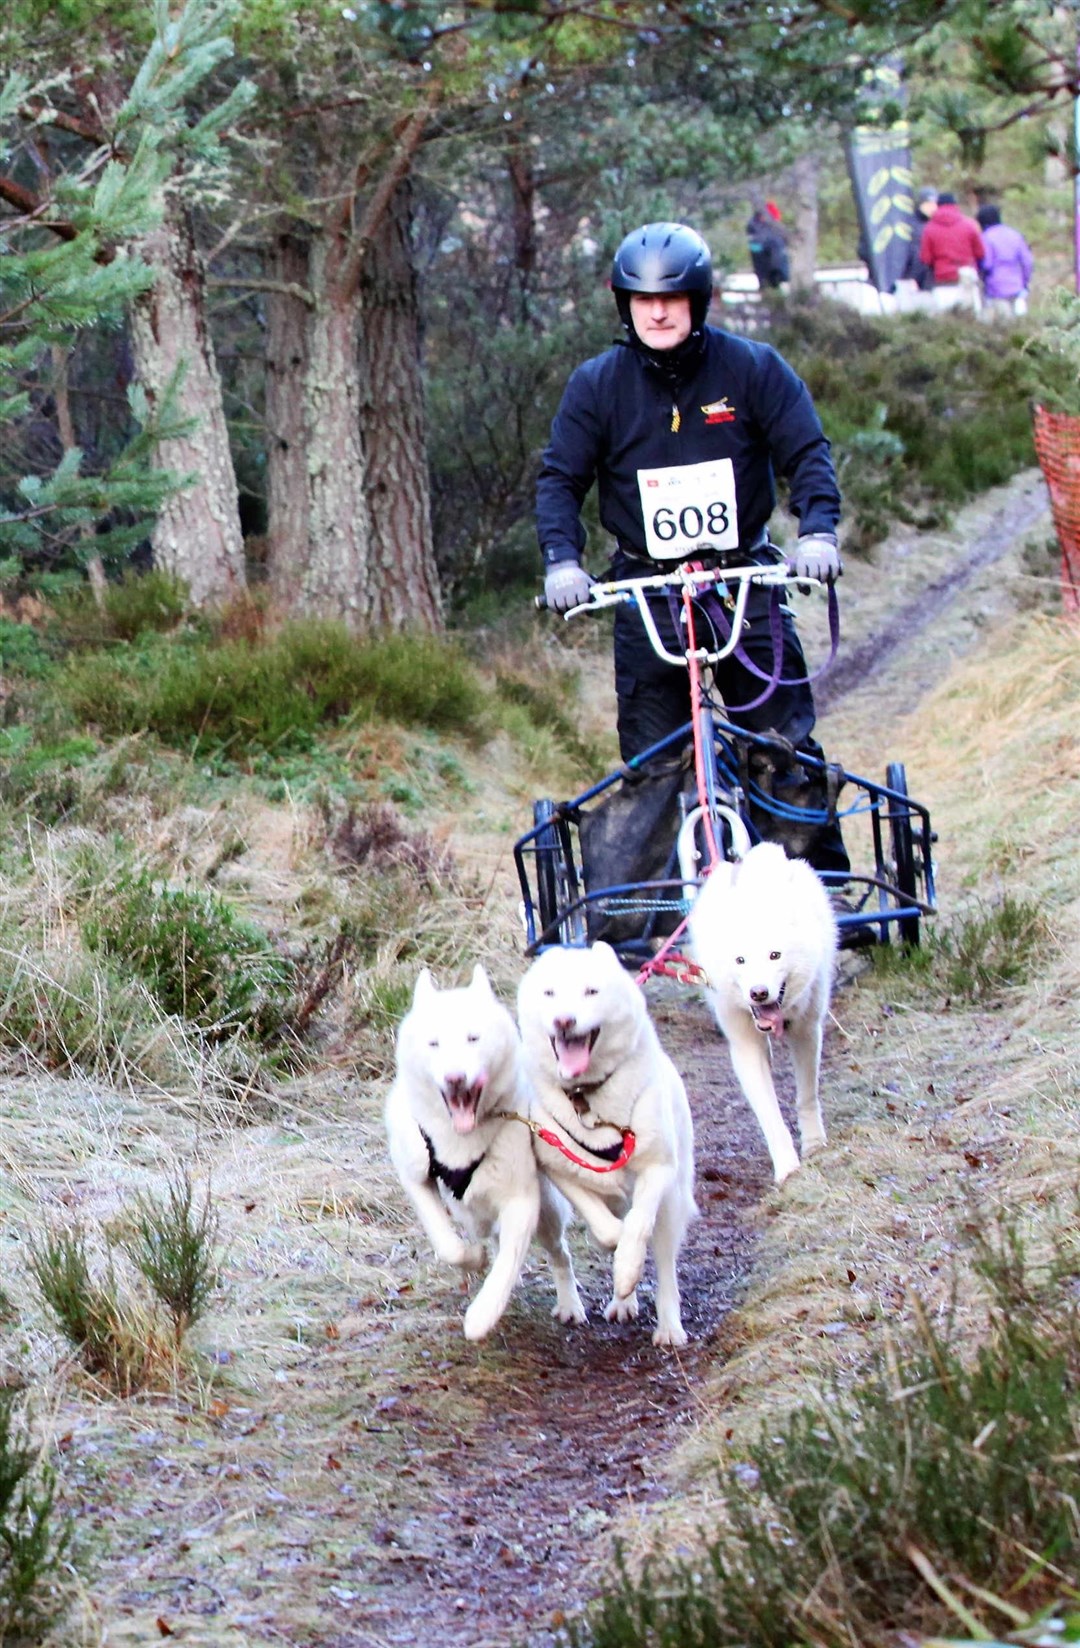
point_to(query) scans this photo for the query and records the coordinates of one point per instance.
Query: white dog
(460, 1161)
(603, 1084)
(764, 932)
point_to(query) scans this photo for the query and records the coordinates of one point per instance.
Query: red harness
(629, 1143)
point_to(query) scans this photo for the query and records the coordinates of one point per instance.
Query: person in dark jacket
(676, 393)
(916, 269)
(768, 247)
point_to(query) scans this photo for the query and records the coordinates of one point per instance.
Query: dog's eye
(434, 1043)
(591, 990)
(774, 955)
(740, 961)
(549, 992)
(472, 1037)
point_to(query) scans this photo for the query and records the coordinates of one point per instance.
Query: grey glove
(815, 556)
(566, 585)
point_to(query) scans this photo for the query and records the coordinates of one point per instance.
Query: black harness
(456, 1179)
(580, 1098)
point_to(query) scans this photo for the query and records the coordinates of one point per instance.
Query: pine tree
(70, 266)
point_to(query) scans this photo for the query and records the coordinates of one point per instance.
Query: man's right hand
(566, 585)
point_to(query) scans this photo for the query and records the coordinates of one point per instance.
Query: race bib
(688, 509)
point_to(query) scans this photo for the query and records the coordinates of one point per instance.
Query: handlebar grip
(540, 603)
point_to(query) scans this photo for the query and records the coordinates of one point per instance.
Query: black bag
(629, 836)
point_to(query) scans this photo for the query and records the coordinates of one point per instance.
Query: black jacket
(741, 400)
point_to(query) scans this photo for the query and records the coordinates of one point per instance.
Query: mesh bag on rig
(1057, 443)
(630, 837)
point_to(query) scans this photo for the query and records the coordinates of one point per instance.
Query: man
(768, 247)
(916, 269)
(952, 245)
(674, 394)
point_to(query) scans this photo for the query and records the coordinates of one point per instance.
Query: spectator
(952, 247)
(916, 269)
(1006, 265)
(768, 246)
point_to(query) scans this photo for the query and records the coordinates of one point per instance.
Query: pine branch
(43, 114)
(288, 288)
(377, 206)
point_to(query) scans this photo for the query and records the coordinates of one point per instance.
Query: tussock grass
(115, 1339)
(239, 696)
(976, 955)
(199, 960)
(173, 1246)
(139, 603)
(117, 1335)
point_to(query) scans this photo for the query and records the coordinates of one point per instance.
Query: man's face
(661, 319)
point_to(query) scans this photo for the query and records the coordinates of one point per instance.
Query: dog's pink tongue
(573, 1055)
(770, 1020)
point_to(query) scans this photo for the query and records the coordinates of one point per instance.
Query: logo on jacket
(719, 412)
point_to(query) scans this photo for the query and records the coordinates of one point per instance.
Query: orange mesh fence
(1057, 443)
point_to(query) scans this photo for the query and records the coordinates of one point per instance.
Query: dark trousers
(654, 696)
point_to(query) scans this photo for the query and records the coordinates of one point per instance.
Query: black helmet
(664, 257)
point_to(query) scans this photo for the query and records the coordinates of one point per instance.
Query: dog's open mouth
(769, 1015)
(572, 1053)
(462, 1099)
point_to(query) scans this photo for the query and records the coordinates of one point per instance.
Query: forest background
(290, 291)
(287, 298)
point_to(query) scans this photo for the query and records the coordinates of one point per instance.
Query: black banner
(879, 161)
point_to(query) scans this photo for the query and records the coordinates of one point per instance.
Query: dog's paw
(570, 1310)
(479, 1320)
(670, 1336)
(811, 1142)
(628, 1266)
(622, 1309)
(470, 1256)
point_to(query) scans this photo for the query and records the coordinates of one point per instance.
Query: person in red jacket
(952, 247)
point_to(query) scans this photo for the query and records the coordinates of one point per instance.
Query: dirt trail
(516, 1513)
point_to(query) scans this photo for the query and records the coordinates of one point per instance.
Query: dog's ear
(606, 953)
(424, 986)
(480, 981)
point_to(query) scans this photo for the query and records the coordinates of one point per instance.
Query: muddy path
(491, 1531)
(513, 1522)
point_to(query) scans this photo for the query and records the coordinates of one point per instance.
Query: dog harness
(456, 1179)
(612, 1157)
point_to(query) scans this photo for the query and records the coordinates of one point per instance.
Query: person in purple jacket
(1006, 264)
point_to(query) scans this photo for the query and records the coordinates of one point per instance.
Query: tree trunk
(336, 577)
(197, 533)
(404, 580)
(804, 248)
(287, 497)
(522, 175)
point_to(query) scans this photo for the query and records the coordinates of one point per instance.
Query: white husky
(460, 1161)
(600, 1074)
(764, 932)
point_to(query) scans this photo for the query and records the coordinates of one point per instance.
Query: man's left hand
(815, 556)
